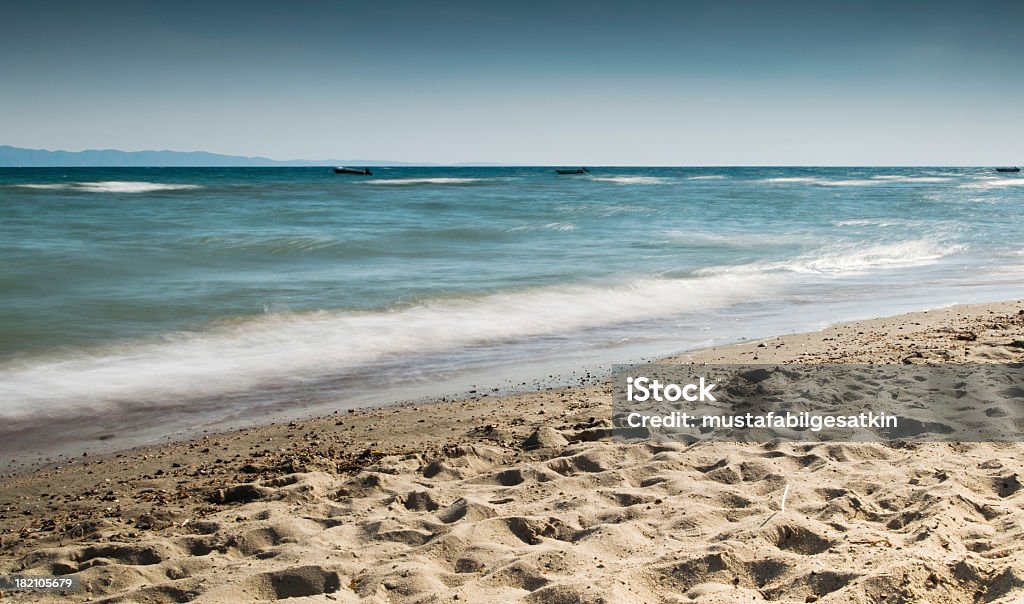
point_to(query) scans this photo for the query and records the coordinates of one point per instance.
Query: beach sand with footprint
(526, 498)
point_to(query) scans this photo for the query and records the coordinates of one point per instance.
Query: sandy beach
(526, 497)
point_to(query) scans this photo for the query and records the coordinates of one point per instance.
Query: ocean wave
(551, 226)
(848, 259)
(560, 226)
(855, 182)
(749, 240)
(708, 177)
(901, 178)
(818, 181)
(426, 181)
(848, 182)
(282, 350)
(865, 222)
(789, 179)
(993, 183)
(632, 180)
(815, 180)
(112, 186)
(298, 245)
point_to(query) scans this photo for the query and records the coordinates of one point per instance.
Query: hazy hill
(16, 157)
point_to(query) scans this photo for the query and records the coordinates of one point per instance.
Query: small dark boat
(573, 171)
(1014, 169)
(362, 171)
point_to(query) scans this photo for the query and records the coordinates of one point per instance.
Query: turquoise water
(148, 301)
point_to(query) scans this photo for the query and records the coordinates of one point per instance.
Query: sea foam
(287, 349)
(112, 186)
(849, 259)
(631, 180)
(993, 183)
(856, 182)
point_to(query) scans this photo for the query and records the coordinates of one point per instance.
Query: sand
(526, 498)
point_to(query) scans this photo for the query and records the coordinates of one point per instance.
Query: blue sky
(648, 83)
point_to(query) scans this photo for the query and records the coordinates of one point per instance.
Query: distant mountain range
(16, 157)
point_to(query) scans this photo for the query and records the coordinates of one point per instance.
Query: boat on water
(573, 171)
(362, 171)
(1011, 169)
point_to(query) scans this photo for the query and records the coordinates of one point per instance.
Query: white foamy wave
(788, 179)
(838, 260)
(631, 180)
(551, 226)
(849, 182)
(993, 183)
(855, 182)
(113, 186)
(424, 181)
(909, 253)
(708, 177)
(900, 178)
(280, 350)
(865, 222)
(814, 180)
(560, 226)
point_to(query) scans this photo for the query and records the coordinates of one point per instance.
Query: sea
(144, 304)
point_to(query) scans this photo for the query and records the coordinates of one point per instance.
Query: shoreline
(761, 350)
(390, 483)
(112, 441)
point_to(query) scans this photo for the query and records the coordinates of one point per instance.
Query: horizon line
(406, 164)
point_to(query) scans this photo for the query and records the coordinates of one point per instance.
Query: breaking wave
(112, 186)
(277, 350)
(631, 180)
(846, 259)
